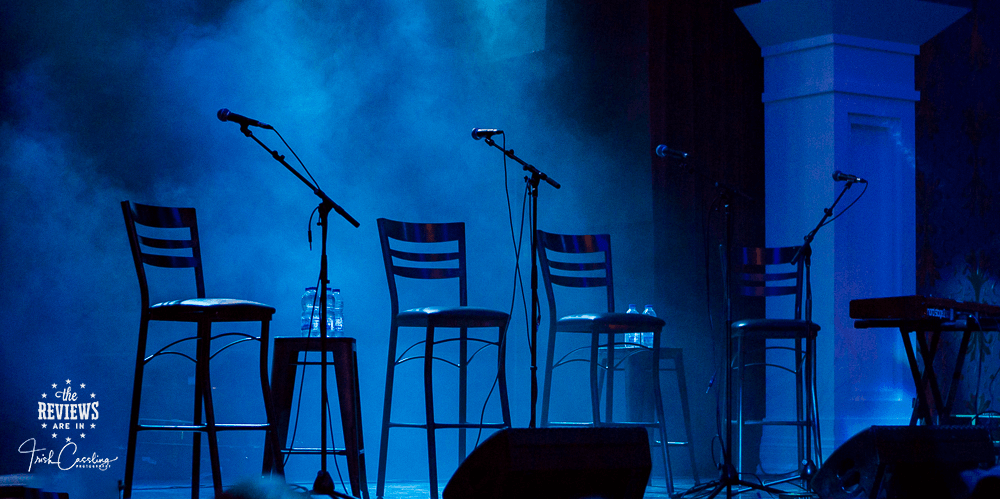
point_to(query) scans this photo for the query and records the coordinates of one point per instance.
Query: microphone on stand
(225, 115)
(478, 133)
(839, 176)
(665, 152)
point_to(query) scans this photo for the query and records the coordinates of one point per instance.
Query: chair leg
(661, 420)
(271, 435)
(133, 425)
(799, 407)
(685, 410)
(547, 384)
(429, 404)
(595, 395)
(502, 374)
(463, 389)
(610, 400)
(740, 407)
(345, 364)
(204, 347)
(197, 419)
(386, 411)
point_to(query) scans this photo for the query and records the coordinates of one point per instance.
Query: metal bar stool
(168, 238)
(770, 272)
(584, 261)
(422, 252)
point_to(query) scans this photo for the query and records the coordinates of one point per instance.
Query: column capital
(775, 22)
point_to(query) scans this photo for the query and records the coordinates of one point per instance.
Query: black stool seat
(211, 309)
(452, 317)
(777, 328)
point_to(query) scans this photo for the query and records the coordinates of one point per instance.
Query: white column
(839, 95)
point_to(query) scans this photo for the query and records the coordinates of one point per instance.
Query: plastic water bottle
(632, 340)
(647, 338)
(311, 311)
(337, 303)
(308, 311)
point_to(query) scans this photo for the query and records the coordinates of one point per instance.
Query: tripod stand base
(728, 481)
(323, 483)
(806, 474)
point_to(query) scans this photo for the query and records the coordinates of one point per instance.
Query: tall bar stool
(584, 261)
(284, 367)
(168, 238)
(423, 252)
(770, 272)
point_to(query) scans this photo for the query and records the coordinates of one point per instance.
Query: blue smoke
(105, 101)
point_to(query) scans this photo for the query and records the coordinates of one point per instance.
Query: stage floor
(420, 490)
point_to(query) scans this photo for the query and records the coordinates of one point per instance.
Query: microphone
(839, 176)
(478, 133)
(225, 115)
(666, 152)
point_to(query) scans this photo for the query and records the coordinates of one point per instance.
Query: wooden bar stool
(345, 366)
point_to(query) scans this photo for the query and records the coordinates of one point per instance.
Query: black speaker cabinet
(555, 463)
(21, 492)
(904, 461)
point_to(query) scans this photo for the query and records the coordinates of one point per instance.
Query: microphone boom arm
(805, 250)
(326, 201)
(535, 173)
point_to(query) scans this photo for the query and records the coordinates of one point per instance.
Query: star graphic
(44, 395)
(93, 425)
(44, 425)
(67, 382)
(68, 439)
(93, 395)
(54, 385)
(83, 385)
(53, 435)
(83, 435)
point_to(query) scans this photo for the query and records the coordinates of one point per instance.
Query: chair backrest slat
(424, 273)
(578, 282)
(154, 242)
(169, 262)
(423, 257)
(576, 267)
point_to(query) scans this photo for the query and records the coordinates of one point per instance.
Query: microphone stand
(533, 180)
(804, 253)
(323, 483)
(729, 476)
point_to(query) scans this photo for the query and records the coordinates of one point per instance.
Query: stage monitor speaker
(22, 492)
(555, 463)
(904, 462)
